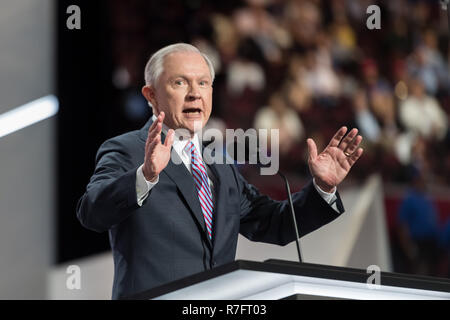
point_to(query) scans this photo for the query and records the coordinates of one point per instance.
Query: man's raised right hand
(157, 154)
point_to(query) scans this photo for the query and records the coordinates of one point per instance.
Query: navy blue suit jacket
(165, 239)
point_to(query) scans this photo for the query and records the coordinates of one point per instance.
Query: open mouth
(192, 110)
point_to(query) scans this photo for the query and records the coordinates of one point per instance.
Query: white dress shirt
(143, 186)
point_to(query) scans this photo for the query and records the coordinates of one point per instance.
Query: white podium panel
(275, 279)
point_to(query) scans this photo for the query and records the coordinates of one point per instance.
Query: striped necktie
(202, 186)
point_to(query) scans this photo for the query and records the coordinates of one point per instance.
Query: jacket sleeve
(266, 220)
(111, 193)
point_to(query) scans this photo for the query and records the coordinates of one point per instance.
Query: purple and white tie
(202, 186)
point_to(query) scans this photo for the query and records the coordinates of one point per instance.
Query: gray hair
(155, 64)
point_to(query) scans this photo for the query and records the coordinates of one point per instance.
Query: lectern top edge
(300, 269)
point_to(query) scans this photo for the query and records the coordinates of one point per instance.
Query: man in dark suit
(168, 213)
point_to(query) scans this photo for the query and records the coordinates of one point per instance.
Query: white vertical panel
(27, 157)
(96, 279)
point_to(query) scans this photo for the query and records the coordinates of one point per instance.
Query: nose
(193, 93)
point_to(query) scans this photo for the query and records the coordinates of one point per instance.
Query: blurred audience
(277, 115)
(418, 228)
(421, 113)
(365, 119)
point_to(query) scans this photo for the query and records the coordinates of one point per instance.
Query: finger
(354, 145)
(155, 132)
(152, 138)
(153, 144)
(337, 137)
(152, 127)
(162, 115)
(349, 138)
(169, 138)
(312, 149)
(159, 119)
(355, 156)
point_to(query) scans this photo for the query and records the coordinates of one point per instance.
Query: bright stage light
(28, 114)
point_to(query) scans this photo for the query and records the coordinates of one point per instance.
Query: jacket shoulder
(128, 143)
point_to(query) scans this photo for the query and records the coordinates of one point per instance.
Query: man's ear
(148, 92)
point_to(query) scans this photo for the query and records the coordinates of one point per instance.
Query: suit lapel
(219, 204)
(185, 183)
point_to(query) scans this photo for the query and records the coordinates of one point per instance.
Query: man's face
(183, 91)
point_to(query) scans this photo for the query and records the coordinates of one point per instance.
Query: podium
(277, 279)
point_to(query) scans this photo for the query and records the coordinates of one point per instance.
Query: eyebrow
(186, 77)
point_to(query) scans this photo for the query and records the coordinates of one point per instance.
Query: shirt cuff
(329, 198)
(143, 186)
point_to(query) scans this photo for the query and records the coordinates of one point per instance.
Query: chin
(195, 126)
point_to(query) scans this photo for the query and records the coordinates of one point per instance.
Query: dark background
(85, 120)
